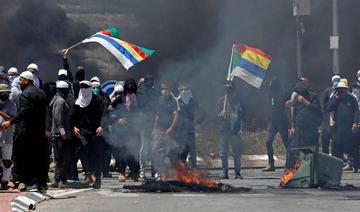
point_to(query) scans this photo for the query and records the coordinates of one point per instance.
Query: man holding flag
(230, 118)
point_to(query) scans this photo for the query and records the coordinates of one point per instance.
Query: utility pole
(300, 8)
(334, 39)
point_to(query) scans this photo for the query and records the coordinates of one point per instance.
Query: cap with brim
(27, 75)
(62, 84)
(4, 88)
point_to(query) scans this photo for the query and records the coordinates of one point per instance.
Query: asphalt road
(264, 196)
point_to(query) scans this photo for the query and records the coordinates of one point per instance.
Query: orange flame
(186, 175)
(289, 174)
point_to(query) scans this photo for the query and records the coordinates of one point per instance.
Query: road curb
(27, 202)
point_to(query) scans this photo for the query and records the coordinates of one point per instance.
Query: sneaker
(142, 177)
(224, 177)
(22, 187)
(62, 185)
(269, 168)
(160, 177)
(122, 178)
(54, 184)
(348, 167)
(42, 188)
(11, 185)
(239, 177)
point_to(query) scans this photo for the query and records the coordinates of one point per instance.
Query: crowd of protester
(140, 126)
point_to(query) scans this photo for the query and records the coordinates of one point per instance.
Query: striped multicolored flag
(249, 64)
(127, 53)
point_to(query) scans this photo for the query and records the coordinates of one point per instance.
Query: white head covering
(13, 70)
(62, 84)
(27, 75)
(62, 72)
(335, 77)
(95, 79)
(85, 95)
(118, 88)
(33, 66)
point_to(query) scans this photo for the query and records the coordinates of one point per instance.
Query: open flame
(289, 174)
(192, 176)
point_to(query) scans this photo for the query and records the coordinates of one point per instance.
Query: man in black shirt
(230, 116)
(148, 98)
(189, 114)
(165, 122)
(30, 147)
(279, 122)
(87, 127)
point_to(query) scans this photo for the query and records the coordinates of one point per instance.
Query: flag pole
(75, 45)
(228, 78)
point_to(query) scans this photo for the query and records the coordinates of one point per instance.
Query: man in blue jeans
(230, 115)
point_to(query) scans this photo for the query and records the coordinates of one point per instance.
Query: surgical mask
(185, 95)
(11, 78)
(359, 79)
(163, 91)
(335, 84)
(96, 91)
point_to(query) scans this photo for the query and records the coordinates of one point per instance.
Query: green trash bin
(316, 169)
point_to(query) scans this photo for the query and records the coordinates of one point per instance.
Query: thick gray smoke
(35, 31)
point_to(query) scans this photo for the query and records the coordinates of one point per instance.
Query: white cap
(62, 84)
(13, 70)
(342, 84)
(33, 66)
(62, 72)
(95, 79)
(27, 75)
(119, 88)
(335, 77)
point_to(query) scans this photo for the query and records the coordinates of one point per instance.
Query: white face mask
(359, 79)
(11, 78)
(185, 95)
